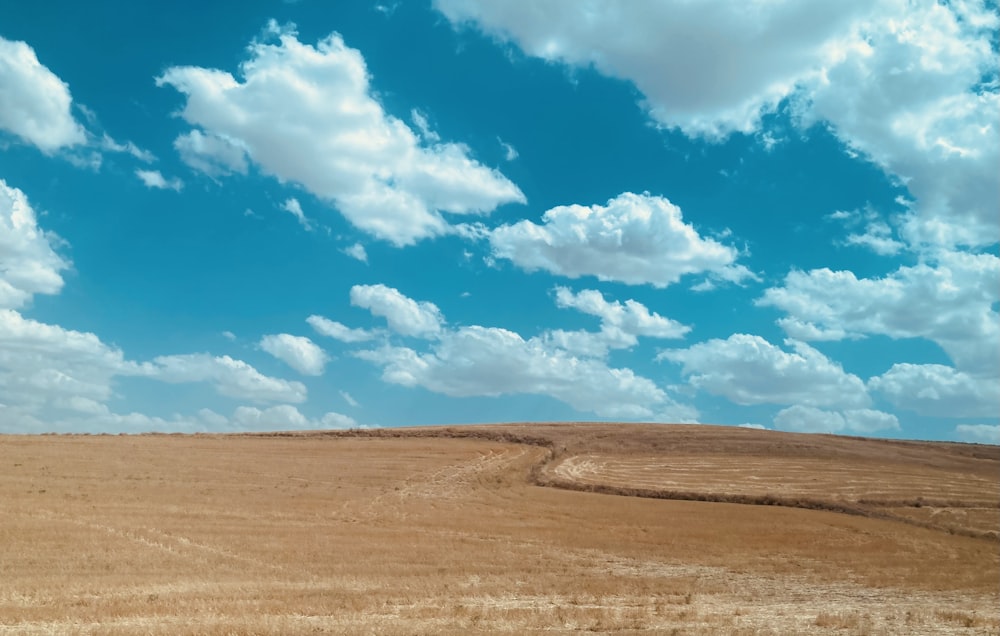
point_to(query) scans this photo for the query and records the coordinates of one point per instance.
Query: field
(515, 529)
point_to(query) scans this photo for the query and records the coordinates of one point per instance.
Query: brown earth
(514, 529)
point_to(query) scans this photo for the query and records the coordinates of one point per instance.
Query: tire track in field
(450, 482)
(175, 545)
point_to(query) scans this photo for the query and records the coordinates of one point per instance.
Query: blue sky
(268, 215)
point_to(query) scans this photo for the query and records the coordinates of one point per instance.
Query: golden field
(519, 528)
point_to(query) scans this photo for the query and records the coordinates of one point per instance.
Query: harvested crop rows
(451, 530)
(950, 499)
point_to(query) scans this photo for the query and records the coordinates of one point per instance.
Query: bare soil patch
(458, 529)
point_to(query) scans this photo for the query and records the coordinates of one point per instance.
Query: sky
(264, 215)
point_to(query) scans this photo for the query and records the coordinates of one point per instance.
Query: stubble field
(511, 529)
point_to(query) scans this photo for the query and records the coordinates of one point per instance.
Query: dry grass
(446, 530)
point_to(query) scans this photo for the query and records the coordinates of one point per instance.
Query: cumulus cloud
(51, 376)
(631, 318)
(244, 418)
(634, 239)
(939, 391)
(28, 263)
(747, 369)
(950, 302)
(47, 372)
(907, 84)
(621, 323)
(337, 330)
(285, 417)
(154, 179)
(62, 380)
(490, 361)
(282, 417)
(807, 419)
(906, 91)
(230, 377)
(338, 420)
(978, 433)
(58, 379)
(35, 105)
(484, 361)
(306, 114)
(709, 68)
(298, 352)
(870, 231)
(405, 316)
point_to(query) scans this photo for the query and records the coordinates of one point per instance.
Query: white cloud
(588, 344)
(306, 115)
(58, 379)
(35, 105)
(212, 419)
(876, 234)
(337, 420)
(905, 91)
(52, 377)
(807, 419)
(286, 417)
(634, 239)
(357, 252)
(404, 315)
(47, 372)
(293, 207)
(230, 377)
(949, 302)
(420, 121)
(28, 264)
(337, 330)
(212, 154)
(621, 324)
(110, 145)
(349, 399)
(708, 68)
(878, 238)
(244, 418)
(298, 352)
(483, 361)
(630, 318)
(490, 361)
(387, 9)
(908, 84)
(978, 433)
(747, 369)
(280, 417)
(939, 391)
(509, 152)
(153, 179)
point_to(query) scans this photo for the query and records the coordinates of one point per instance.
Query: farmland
(515, 529)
